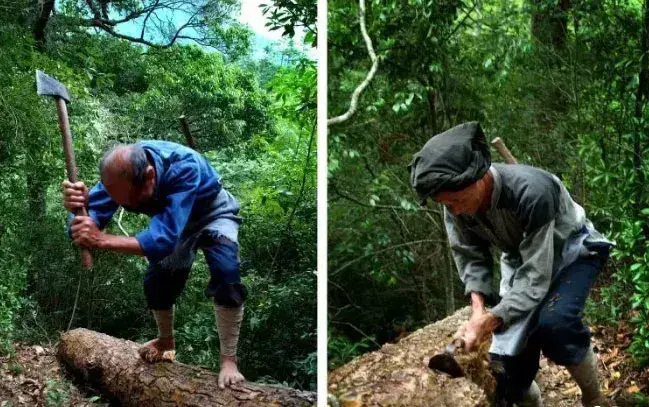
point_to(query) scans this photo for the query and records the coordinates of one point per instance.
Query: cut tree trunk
(45, 8)
(398, 374)
(114, 367)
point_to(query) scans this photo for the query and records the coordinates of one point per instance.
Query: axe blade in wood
(445, 362)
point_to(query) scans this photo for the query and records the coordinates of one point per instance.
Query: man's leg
(162, 288)
(564, 337)
(515, 378)
(229, 294)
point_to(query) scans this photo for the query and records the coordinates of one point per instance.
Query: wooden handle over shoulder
(504, 152)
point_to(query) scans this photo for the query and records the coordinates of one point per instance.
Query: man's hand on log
(229, 373)
(85, 232)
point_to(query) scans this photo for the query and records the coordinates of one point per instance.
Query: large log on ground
(398, 374)
(114, 367)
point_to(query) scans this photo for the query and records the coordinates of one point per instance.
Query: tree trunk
(114, 367)
(642, 93)
(550, 26)
(451, 275)
(44, 10)
(432, 111)
(398, 374)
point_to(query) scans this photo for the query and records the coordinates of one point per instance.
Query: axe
(445, 362)
(48, 86)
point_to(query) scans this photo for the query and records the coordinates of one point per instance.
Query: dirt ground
(33, 377)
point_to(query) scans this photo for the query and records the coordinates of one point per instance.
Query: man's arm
(86, 233)
(165, 229)
(122, 244)
(532, 279)
(472, 257)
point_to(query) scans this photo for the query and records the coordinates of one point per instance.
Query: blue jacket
(186, 187)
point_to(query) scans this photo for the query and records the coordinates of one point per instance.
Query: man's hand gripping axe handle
(48, 86)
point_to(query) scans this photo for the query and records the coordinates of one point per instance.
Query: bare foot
(229, 373)
(158, 349)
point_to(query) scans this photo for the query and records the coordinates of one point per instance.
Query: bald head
(127, 174)
(124, 162)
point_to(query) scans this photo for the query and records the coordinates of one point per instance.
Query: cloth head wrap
(450, 161)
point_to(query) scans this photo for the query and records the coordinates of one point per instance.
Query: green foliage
(57, 393)
(122, 92)
(15, 369)
(287, 15)
(340, 349)
(641, 400)
(567, 100)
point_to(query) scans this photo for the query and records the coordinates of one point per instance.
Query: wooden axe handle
(188, 135)
(499, 144)
(71, 167)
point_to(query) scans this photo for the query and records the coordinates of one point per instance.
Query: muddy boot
(585, 374)
(531, 398)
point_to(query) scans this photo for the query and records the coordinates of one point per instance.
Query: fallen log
(398, 374)
(114, 367)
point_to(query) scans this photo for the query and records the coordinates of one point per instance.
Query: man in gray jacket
(551, 254)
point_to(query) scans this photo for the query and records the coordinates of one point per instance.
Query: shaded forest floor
(620, 378)
(32, 376)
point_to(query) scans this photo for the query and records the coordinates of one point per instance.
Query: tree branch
(353, 106)
(153, 7)
(353, 261)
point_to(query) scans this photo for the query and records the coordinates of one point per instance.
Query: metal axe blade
(48, 86)
(445, 362)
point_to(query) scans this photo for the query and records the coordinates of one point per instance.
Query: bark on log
(114, 367)
(398, 374)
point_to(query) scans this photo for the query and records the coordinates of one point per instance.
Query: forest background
(564, 83)
(132, 68)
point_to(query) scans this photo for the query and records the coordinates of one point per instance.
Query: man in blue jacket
(189, 209)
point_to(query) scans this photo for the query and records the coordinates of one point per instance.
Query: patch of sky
(265, 43)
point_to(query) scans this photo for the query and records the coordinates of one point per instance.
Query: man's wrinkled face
(469, 200)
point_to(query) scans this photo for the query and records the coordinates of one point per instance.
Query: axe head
(48, 86)
(445, 362)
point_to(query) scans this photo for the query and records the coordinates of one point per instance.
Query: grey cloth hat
(450, 161)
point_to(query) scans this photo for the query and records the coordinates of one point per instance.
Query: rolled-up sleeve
(472, 257)
(532, 279)
(165, 228)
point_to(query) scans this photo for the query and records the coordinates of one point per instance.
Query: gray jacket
(538, 228)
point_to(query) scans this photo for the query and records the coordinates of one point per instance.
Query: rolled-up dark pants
(559, 330)
(165, 281)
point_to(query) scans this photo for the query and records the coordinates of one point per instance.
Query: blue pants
(559, 330)
(165, 281)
